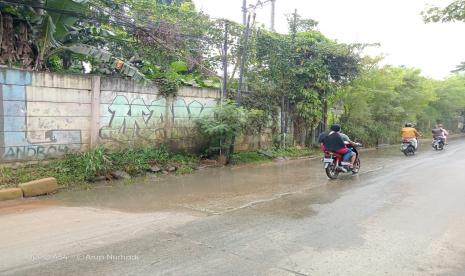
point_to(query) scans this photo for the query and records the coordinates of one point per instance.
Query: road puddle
(214, 190)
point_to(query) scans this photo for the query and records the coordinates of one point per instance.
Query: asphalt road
(400, 216)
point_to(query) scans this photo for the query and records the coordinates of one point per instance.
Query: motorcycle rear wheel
(409, 151)
(357, 165)
(332, 172)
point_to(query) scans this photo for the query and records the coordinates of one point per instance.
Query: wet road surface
(400, 216)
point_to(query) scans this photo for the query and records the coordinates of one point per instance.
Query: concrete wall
(44, 115)
(133, 114)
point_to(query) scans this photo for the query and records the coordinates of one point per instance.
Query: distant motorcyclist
(410, 134)
(440, 133)
(335, 143)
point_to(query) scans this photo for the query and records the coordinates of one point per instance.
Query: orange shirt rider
(409, 133)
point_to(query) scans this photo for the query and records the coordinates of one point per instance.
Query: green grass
(249, 157)
(78, 169)
(295, 152)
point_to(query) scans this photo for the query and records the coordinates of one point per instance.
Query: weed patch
(75, 169)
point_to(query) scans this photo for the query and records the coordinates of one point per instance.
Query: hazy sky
(397, 24)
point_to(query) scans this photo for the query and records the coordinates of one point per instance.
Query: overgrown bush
(220, 130)
(135, 161)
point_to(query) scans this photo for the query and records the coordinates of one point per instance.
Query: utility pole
(284, 99)
(243, 61)
(273, 6)
(294, 24)
(244, 12)
(225, 61)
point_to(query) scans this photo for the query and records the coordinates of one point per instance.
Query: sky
(435, 48)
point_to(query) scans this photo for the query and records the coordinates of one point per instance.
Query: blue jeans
(346, 157)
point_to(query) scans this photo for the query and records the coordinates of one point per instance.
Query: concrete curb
(39, 187)
(11, 193)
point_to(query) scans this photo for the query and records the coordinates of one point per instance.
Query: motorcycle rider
(335, 143)
(410, 134)
(440, 132)
(346, 139)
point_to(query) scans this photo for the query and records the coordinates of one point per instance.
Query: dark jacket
(333, 142)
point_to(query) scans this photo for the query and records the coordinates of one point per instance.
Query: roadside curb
(30, 189)
(10, 193)
(39, 187)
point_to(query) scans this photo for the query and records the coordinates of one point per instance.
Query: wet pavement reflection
(220, 190)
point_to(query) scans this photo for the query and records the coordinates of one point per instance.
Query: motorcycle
(334, 164)
(438, 143)
(408, 147)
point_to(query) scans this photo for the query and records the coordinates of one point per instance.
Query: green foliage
(178, 66)
(83, 167)
(168, 85)
(257, 120)
(95, 162)
(135, 161)
(249, 157)
(303, 69)
(294, 152)
(455, 11)
(382, 99)
(55, 63)
(219, 130)
(308, 111)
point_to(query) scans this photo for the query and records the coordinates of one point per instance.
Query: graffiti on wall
(19, 141)
(133, 119)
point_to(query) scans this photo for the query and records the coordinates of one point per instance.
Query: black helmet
(408, 125)
(336, 128)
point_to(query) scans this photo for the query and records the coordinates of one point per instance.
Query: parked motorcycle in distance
(334, 164)
(407, 147)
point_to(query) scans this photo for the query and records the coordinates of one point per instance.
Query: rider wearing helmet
(410, 134)
(335, 143)
(440, 132)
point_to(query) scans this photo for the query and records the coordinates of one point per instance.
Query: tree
(383, 98)
(298, 71)
(455, 11)
(50, 27)
(219, 131)
(450, 102)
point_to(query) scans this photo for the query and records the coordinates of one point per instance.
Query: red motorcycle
(334, 164)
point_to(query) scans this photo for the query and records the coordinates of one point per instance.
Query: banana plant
(53, 32)
(50, 28)
(124, 68)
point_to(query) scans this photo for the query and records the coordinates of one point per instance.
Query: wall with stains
(44, 115)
